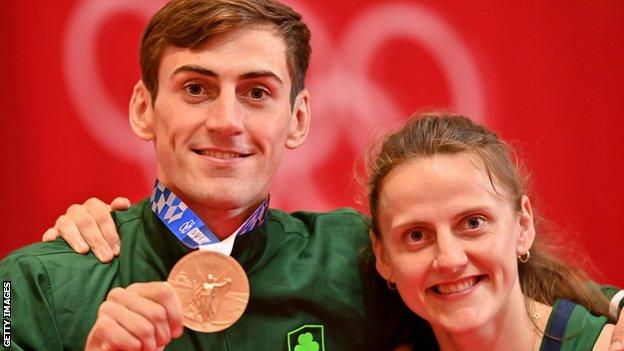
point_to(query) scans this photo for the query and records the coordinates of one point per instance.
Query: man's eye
(416, 235)
(194, 89)
(258, 93)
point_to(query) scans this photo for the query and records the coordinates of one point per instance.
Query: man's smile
(221, 154)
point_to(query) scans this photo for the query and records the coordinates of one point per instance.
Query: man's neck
(221, 215)
(224, 223)
(222, 220)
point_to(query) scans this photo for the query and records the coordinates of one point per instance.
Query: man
(221, 97)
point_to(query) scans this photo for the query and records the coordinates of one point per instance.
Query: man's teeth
(456, 287)
(219, 154)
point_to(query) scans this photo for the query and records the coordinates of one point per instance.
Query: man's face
(222, 119)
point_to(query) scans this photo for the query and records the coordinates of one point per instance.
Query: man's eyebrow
(197, 69)
(262, 74)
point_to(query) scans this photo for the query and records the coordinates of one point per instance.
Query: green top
(310, 287)
(571, 328)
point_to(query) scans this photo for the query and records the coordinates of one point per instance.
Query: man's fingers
(50, 235)
(100, 212)
(152, 324)
(68, 230)
(133, 318)
(617, 338)
(120, 204)
(136, 324)
(90, 232)
(163, 294)
(108, 335)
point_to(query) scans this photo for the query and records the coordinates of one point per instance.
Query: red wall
(547, 75)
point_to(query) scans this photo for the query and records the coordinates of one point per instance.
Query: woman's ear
(300, 121)
(381, 261)
(141, 112)
(526, 236)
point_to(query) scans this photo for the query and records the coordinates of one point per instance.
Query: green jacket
(571, 328)
(306, 271)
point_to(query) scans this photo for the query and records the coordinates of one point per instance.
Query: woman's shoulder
(572, 327)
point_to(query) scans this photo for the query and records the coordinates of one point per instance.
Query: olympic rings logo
(340, 65)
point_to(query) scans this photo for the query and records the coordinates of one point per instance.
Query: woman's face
(450, 242)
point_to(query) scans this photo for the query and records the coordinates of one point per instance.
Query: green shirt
(571, 328)
(310, 286)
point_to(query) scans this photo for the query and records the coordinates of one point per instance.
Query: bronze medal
(213, 290)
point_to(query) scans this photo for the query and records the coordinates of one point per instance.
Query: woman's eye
(258, 93)
(194, 89)
(474, 222)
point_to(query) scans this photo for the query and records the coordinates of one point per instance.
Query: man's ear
(141, 112)
(381, 262)
(526, 236)
(300, 121)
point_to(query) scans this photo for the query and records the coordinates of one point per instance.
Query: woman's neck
(518, 326)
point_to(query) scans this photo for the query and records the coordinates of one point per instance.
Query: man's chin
(224, 202)
(219, 194)
(224, 199)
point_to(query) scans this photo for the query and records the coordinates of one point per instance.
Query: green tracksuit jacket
(571, 328)
(306, 272)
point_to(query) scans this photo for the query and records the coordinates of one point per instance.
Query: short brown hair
(190, 23)
(544, 278)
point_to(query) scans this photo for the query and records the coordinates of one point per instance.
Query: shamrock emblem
(306, 343)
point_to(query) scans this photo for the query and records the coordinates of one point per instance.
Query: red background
(550, 77)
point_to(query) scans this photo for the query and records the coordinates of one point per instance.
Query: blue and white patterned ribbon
(188, 227)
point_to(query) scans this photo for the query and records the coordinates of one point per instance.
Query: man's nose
(225, 115)
(451, 256)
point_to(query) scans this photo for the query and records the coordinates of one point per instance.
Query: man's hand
(143, 316)
(617, 338)
(90, 225)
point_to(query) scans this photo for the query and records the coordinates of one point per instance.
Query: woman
(453, 231)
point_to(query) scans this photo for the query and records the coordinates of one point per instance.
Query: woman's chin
(459, 322)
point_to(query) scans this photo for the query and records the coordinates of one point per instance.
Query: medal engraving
(213, 290)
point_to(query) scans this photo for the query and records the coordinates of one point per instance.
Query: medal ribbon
(189, 228)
